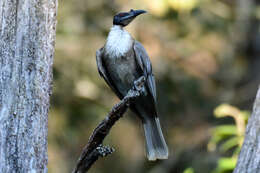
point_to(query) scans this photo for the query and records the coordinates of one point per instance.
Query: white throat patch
(118, 42)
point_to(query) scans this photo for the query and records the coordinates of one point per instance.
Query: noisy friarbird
(122, 61)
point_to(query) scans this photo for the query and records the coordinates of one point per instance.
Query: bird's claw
(139, 84)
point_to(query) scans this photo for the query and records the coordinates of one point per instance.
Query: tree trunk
(27, 36)
(249, 158)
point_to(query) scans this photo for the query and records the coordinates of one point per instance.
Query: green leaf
(188, 170)
(224, 130)
(225, 164)
(220, 133)
(230, 143)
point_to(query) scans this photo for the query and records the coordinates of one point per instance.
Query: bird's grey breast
(122, 70)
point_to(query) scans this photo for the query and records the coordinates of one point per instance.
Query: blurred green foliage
(228, 137)
(203, 52)
(188, 170)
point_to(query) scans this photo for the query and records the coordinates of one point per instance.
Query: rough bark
(249, 158)
(94, 149)
(27, 36)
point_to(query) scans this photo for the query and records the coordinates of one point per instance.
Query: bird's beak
(132, 14)
(137, 12)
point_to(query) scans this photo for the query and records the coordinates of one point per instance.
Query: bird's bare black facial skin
(124, 18)
(118, 19)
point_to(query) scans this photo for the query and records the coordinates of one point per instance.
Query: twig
(94, 147)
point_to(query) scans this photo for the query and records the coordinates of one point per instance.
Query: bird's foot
(137, 90)
(139, 84)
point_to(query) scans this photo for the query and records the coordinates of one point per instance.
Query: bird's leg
(139, 84)
(137, 89)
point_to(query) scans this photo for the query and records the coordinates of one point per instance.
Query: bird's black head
(124, 18)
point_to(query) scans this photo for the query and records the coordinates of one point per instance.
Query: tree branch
(94, 148)
(249, 160)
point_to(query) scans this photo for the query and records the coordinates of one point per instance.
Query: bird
(121, 61)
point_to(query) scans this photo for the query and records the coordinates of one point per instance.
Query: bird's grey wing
(144, 63)
(104, 74)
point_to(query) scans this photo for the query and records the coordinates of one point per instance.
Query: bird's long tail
(156, 147)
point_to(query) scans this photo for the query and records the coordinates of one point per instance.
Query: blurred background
(205, 57)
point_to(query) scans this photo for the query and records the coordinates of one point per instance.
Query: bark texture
(27, 36)
(249, 158)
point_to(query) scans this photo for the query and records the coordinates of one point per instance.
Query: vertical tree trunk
(249, 157)
(27, 36)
